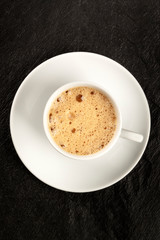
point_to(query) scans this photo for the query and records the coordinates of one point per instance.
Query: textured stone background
(127, 31)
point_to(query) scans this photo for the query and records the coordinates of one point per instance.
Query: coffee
(82, 120)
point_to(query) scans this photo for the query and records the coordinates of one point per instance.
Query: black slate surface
(33, 31)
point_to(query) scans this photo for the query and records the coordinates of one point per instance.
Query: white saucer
(33, 147)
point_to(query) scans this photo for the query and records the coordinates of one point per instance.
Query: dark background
(33, 31)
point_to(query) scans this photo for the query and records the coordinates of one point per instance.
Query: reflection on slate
(33, 31)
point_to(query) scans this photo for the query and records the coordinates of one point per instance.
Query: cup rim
(65, 87)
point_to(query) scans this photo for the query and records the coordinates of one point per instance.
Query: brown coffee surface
(82, 120)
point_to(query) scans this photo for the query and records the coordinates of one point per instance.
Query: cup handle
(131, 135)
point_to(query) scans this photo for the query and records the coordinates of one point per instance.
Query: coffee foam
(82, 120)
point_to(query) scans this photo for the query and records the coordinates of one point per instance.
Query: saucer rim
(91, 189)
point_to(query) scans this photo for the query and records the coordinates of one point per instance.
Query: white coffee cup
(119, 132)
